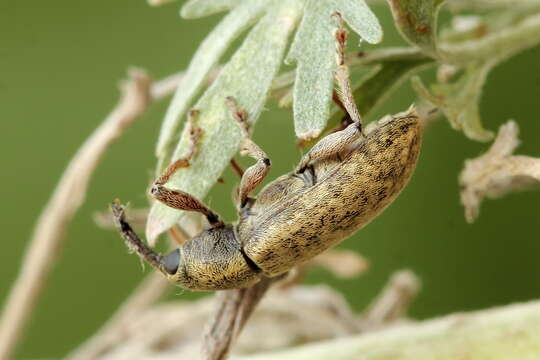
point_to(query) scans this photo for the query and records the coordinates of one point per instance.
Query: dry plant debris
(497, 172)
(285, 317)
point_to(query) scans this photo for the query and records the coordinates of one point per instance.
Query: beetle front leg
(178, 199)
(256, 173)
(338, 141)
(133, 241)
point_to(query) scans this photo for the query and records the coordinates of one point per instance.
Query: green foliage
(459, 100)
(194, 9)
(247, 77)
(313, 50)
(250, 75)
(203, 61)
(417, 22)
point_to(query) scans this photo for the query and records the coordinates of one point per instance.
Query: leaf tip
(155, 226)
(309, 135)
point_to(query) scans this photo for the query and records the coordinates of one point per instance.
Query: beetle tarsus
(256, 173)
(194, 136)
(178, 199)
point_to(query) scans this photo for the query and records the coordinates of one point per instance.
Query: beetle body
(302, 214)
(343, 182)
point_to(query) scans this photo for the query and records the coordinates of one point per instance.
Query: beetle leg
(178, 199)
(133, 241)
(256, 173)
(331, 144)
(338, 141)
(181, 200)
(194, 135)
(346, 119)
(342, 74)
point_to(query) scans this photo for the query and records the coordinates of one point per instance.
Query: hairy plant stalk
(511, 332)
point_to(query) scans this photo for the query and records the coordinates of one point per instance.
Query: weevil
(341, 184)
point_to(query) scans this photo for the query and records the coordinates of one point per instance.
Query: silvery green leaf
(247, 77)
(206, 57)
(459, 100)
(361, 19)
(199, 8)
(313, 49)
(158, 2)
(417, 22)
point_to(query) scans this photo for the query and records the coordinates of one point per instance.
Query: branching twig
(69, 195)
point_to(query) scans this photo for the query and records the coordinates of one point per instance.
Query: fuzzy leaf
(248, 77)
(497, 172)
(417, 22)
(158, 2)
(314, 51)
(206, 57)
(194, 9)
(361, 19)
(459, 101)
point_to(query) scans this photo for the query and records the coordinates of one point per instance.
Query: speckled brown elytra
(344, 181)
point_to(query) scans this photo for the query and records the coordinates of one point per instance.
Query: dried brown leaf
(497, 172)
(284, 318)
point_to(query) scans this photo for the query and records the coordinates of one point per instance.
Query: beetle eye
(171, 261)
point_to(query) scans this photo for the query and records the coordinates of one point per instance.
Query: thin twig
(42, 251)
(233, 310)
(393, 301)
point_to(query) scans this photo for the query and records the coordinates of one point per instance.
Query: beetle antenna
(133, 242)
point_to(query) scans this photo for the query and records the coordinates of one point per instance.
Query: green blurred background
(60, 64)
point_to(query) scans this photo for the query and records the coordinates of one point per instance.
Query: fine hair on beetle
(342, 183)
